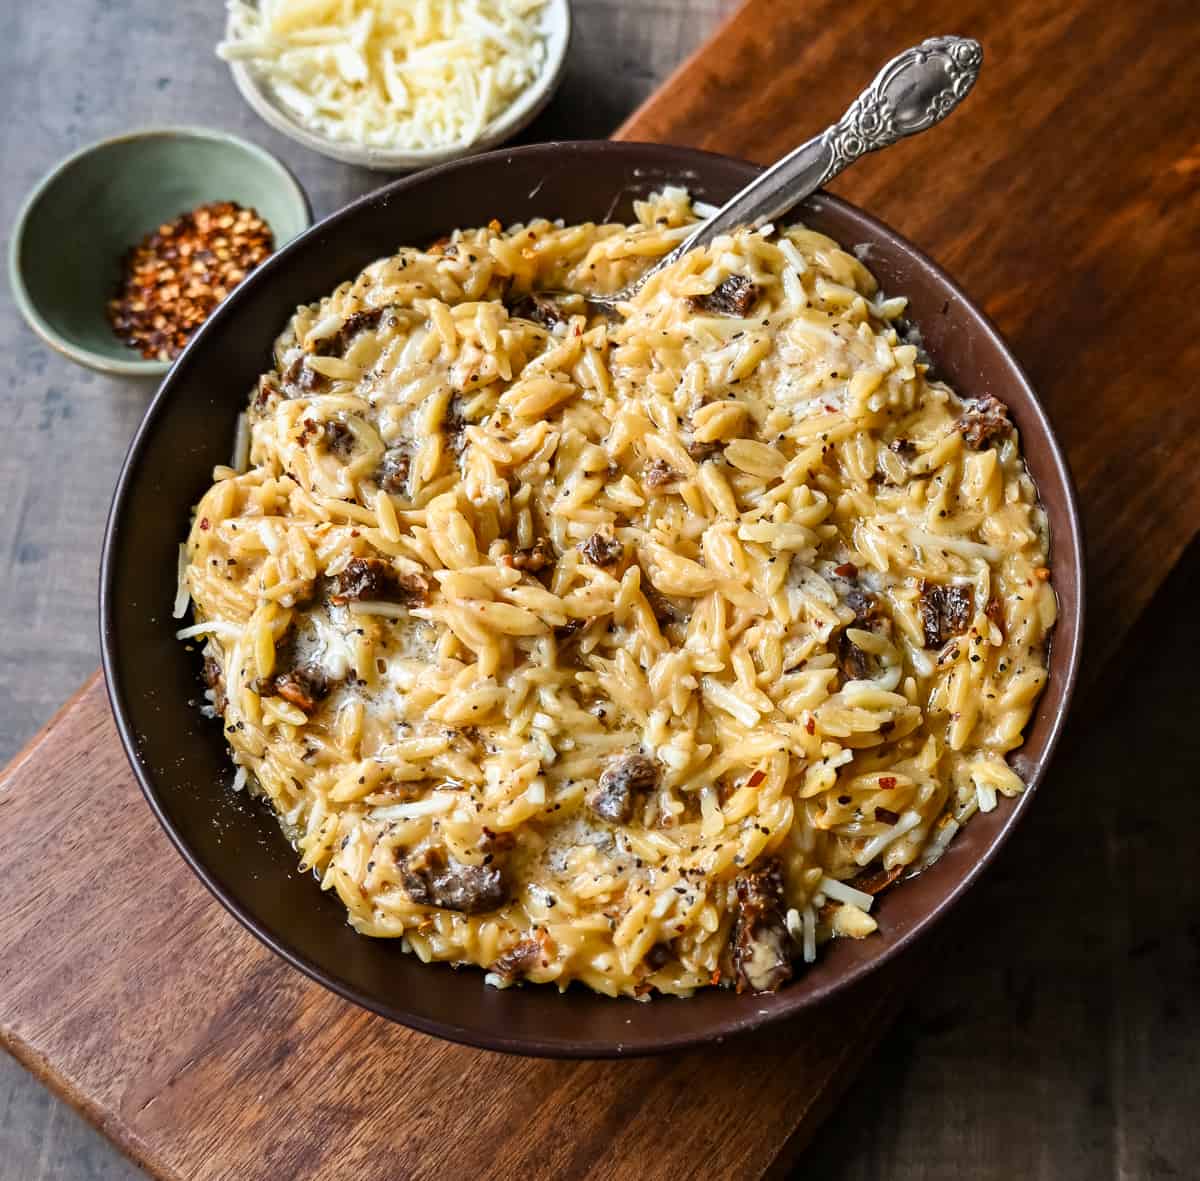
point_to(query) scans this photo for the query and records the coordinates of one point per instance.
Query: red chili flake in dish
(756, 778)
(172, 280)
(846, 570)
(810, 726)
(203, 522)
(887, 782)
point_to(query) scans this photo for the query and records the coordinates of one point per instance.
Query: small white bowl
(555, 25)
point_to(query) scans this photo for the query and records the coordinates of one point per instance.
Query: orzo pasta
(634, 652)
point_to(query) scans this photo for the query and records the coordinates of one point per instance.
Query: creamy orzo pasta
(639, 652)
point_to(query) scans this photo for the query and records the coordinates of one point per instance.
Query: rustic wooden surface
(1059, 1036)
(1064, 196)
(74, 72)
(185, 1039)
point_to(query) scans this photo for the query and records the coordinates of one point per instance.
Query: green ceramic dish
(72, 232)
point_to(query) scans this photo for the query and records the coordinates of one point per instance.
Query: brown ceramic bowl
(180, 758)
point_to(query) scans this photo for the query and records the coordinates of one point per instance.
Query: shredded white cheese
(398, 74)
(213, 627)
(241, 445)
(841, 892)
(182, 595)
(436, 803)
(876, 845)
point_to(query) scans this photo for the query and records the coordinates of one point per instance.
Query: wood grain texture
(184, 1039)
(1058, 1037)
(78, 71)
(1064, 196)
(74, 72)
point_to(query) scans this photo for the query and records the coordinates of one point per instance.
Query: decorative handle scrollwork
(909, 95)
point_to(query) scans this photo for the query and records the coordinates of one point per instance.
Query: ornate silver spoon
(915, 90)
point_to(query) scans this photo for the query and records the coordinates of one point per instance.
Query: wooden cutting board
(1064, 197)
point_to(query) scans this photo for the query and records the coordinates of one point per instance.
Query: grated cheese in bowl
(407, 75)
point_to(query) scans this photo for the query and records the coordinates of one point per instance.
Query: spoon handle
(909, 95)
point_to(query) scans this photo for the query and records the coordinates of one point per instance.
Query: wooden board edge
(677, 79)
(106, 1123)
(56, 1081)
(821, 1103)
(34, 745)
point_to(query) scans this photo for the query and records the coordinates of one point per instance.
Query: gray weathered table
(74, 72)
(1059, 1037)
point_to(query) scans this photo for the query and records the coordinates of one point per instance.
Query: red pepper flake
(756, 778)
(203, 522)
(846, 570)
(172, 280)
(887, 783)
(715, 978)
(810, 726)
(1042, 573)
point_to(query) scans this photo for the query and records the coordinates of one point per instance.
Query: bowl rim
(134, 366)
(677, 159)
(517, 115)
